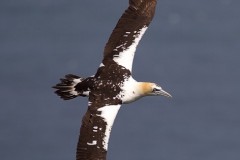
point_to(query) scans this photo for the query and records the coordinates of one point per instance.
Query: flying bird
(113, 84)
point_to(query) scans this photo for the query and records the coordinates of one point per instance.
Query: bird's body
(113, 84)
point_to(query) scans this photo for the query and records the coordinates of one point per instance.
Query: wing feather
(126, 35)
(96, 127)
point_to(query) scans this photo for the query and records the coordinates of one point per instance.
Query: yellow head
(152, 89)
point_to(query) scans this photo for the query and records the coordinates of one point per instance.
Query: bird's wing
(126, 35)
(96, 127)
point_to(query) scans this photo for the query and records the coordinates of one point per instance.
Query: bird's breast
(129, 91)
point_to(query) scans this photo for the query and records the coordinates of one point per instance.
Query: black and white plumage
(113, 84)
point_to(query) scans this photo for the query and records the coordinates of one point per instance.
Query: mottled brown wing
(131, 26)
(96, 127)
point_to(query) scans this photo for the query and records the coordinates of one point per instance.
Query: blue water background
(191, 49)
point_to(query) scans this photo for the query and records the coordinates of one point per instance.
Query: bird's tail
(66, 88)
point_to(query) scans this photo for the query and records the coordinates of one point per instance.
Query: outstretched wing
(126, 35)
(96, 127)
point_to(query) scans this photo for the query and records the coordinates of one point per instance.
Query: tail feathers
(66, 88)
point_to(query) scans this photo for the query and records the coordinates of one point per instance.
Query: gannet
(113, 84)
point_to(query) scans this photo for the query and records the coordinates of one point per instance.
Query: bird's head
(152, 89)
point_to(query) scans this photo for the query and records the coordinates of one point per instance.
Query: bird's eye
(155, 89)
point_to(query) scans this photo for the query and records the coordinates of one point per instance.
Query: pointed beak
(164, 93)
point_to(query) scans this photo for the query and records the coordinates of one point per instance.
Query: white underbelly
(129, 91)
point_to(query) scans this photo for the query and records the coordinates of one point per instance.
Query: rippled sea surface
(191, 49)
